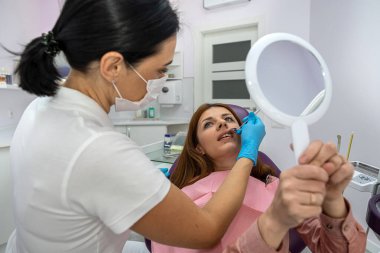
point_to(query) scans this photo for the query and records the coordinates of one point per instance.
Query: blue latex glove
(252, 133)
(165, 171)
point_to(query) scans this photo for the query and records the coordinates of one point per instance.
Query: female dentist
(79, 185)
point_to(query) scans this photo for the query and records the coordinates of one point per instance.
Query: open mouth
(226, 135)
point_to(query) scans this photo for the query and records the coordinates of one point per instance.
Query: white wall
(291, 16)
(348, 37)
(21, 21)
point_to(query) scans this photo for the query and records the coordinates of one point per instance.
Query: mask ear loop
(117, 90)
(137, 73)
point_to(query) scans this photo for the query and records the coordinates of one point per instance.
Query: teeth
(226, 135)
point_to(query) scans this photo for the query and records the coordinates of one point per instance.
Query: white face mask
(153, 88)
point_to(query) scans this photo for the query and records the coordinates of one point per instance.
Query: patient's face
(215, 134)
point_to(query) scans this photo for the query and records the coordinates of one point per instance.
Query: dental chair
(373, 215)
(296, 244)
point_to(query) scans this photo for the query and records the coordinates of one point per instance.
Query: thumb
(252, 117)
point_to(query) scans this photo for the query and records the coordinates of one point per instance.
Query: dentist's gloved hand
(252, 133)
(165, 171)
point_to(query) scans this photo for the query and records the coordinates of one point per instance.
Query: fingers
(301, 205)
(343, 174)
(317, 153)
(314, 186)
(334, 163)
(252, 117)
(304, 198)
(312, 199)
(302, 191)
(306, 172)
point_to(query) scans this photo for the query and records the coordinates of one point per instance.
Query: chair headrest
(240, 111)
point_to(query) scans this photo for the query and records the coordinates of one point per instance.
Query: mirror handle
(300, 134)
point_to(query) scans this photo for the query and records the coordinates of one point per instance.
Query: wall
(33, 18)
(12, 104)
(23, 20)
(291, 16)
(348, 37)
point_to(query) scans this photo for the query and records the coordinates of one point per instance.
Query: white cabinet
(143, 135)
(6, 210)
(6, 217)
(148, 132)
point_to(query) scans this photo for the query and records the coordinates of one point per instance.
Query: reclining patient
(308, 197)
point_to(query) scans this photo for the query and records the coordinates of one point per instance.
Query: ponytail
(38, 74)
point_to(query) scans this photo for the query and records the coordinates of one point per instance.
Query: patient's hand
(299, 196)
(340, 173)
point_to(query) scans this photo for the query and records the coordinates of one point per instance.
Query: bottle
(2, 77)
(151, 112)
(167, 143)
(139, 114)
(8, 77)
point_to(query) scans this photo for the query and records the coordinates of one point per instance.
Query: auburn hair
(192, 166)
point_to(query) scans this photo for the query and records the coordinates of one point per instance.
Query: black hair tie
(52, 46)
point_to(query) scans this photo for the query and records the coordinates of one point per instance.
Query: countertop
(149, 122)
(6, 132)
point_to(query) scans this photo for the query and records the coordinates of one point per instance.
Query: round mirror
(290, 82)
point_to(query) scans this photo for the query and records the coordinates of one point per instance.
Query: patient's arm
(251, 241)
(326, 234)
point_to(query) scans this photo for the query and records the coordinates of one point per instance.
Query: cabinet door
(6, 217)
(144, 135)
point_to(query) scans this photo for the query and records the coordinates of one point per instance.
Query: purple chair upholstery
(373, 214)
(296, 243)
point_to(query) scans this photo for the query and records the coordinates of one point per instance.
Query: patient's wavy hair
(192, 166)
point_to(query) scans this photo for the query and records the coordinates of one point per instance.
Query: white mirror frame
(298, 124)
(257, 94)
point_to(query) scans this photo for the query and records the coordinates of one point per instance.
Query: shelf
(175, 70)
(10, 87)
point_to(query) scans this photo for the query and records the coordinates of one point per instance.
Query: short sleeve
(112, 179)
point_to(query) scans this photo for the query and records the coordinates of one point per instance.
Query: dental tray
(365, 176)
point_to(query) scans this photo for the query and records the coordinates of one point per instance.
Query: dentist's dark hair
(87, 29)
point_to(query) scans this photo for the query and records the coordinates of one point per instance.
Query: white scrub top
(79, 185)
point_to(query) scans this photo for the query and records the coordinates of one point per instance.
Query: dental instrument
(339, 141)
(349, 146)
(235, 130)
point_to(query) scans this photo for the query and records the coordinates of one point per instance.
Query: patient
(308, 197)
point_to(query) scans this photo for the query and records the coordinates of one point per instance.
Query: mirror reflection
(291, 78)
